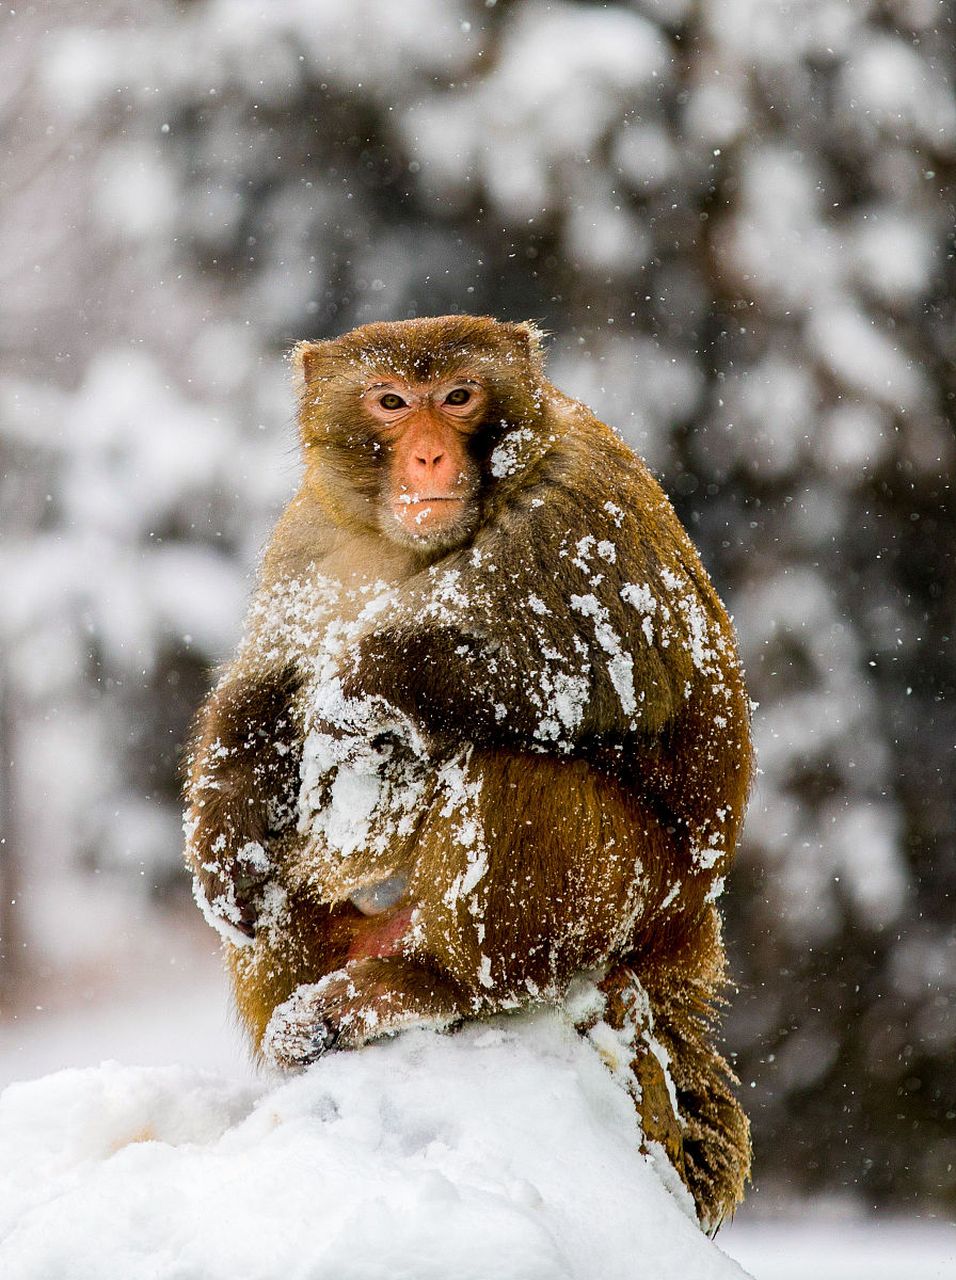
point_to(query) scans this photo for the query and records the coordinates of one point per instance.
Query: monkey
(486, 737)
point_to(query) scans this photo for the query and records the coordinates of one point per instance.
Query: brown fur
(605, 832)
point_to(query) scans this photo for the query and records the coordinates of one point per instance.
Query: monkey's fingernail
(322, 1041)
(329, 1035)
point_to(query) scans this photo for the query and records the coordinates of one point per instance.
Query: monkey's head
(401, 421)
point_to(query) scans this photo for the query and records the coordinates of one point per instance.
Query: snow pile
(506, 1151)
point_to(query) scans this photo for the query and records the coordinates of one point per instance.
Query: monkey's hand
(367, 1000)
(228, 889)
(436, 675)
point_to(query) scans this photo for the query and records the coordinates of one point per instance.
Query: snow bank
(506, 1151)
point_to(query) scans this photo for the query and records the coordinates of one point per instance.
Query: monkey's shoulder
(598, 556)
(302, 534)
(591, 490)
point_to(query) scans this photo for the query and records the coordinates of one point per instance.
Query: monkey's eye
(461, 395)
(391, 401)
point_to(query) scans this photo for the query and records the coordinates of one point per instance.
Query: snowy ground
(504, 1152)
(812, 1249)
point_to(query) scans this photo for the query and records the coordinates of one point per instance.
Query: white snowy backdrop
(736, 217)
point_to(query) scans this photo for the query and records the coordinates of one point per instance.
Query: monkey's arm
(242, 787)
(525, 640)
(365, 1000)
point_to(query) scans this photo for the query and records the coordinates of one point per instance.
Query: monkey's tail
(685, 1087)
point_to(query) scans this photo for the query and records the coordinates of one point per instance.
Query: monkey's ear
(531, 338)
(306, 359)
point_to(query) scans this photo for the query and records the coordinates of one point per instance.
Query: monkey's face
(403, 423)
(429, 478)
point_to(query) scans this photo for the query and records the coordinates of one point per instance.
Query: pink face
(431, 478)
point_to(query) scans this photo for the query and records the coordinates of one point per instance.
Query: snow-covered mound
(506, 1152)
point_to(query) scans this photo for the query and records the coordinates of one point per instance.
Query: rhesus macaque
(487, 732)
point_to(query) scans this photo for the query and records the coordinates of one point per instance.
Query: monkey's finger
(238, 911)
(246, 924)
(246, 884)
(322, 1041)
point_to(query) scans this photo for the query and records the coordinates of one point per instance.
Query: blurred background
(736, 219)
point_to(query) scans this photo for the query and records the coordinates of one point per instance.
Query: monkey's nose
(428, 462)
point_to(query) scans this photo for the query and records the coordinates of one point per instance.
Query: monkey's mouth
(416, 511)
